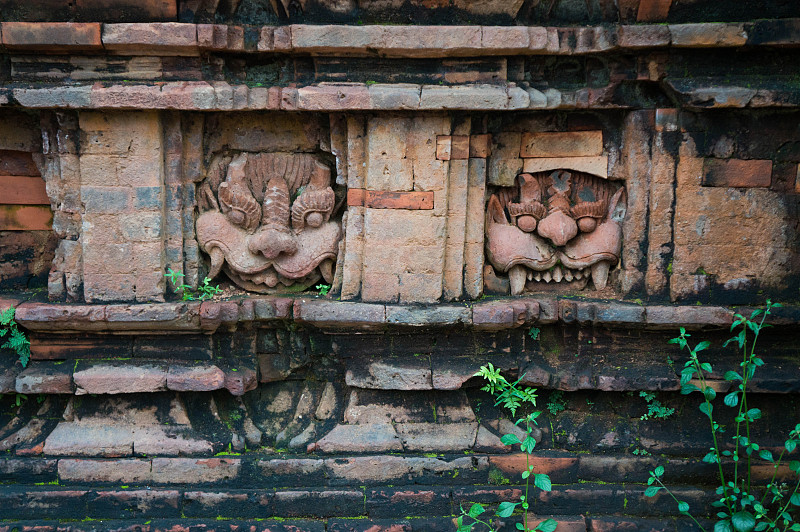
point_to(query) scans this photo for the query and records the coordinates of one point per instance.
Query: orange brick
(444, 147)
(378, 199)
(653, 10)
(737, 173)
(355, 197)
(51, 36)
(480, 146)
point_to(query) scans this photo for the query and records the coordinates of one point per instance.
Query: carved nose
(558, 228)
(271, 242)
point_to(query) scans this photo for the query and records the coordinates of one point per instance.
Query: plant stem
(669, 492)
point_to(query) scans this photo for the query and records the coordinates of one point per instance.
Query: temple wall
(389, 196)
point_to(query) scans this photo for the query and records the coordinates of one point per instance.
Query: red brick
(240, 380)
(444, 146)
(213, 314)
(151, 37)
(53, 36)
(653, 10)
(460, 147)
(355, 197)
(119, 471)
(737, 173)
(45, 377)
(383, 199)
(195, 378)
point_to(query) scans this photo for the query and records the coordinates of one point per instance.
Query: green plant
(742, 506)
(655, 410)
(323, 289)
(17, 340)
(511, 396)
(534, 332)
(557, 403)
(204, 291)
(641, 452)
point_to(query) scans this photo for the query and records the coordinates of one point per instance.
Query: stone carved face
(561, 226)
(266, 220)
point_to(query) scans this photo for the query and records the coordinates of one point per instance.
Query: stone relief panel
(267, 220)
(555, 229)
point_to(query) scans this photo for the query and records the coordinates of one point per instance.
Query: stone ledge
(332, 97)
(492, 314)
(170, 38)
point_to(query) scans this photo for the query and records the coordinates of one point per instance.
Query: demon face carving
(266, 220)
(562, 227)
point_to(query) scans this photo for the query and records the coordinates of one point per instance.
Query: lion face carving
(266, 220)
(562, 227)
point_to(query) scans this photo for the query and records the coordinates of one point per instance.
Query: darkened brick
(134, 503)
(316, 503)
(410, 500)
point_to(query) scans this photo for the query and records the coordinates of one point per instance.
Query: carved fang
(600, 274)
(326, 269)
(217, 260)
(517, 277)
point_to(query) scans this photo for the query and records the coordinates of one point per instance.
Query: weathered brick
(134, 503)
(83, 36)
(195, 378)
(336, 314)
(318, 503)
(194, 470)
(708, 34)
(737, 173)
(375, 437)
(428, 437)
(566, 144)
(561, 469)
(153, 37)
(112, 378)
(45, 377)
(480, 146)
(423, 501)
(238, 504)
(116, 471)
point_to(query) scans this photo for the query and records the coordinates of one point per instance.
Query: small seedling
(204, 292)
(655, 410)
(17, 340)
(323, 289)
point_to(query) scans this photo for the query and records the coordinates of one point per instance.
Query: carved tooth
(600, 274)
(568, 275)
(530, 275)
(557, 274)
(517, 277)
(217, 260)
(547, 276)
(578, 274)
(326, 268)
(537, 276)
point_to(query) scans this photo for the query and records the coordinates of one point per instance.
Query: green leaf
(542, 482)
(705, 366)
(683, 507)
(506, 509)
(686, 389)
(548, 525)
(528, 445)
(475, 510)
(723, 526)
(651, 491)
(754, 413)
(732, 376)
(794, 465)
(710, 393)
(790, 445)
(707, 409)
(510, 439)
(701, 346)
(795, 499)
(743, 521)
(519, 526)
(766, 455)
(659, 471)
(732, 399)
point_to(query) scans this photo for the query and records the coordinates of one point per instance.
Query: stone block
(51, 36)
(428, 316)
(395, 96)
(195, 378)
(653, 10)
(504, 164)
(437, 437)
(692, 317)
(333, 97)
(152, 38)
(562, 144)
(505, 39)
(374, 437)
(709, 34)
(110, 378)
(480, 146)
(644, 36)
(737, 173)
(335, 314)
(594, 165)
(468, 97)
(390, 374)
(84, 471)
(419, 41)
(46, 378)
(195, 470)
